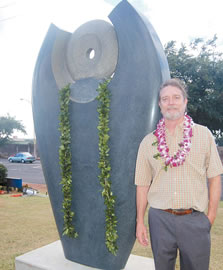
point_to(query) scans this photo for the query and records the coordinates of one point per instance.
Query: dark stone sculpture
(140, 68)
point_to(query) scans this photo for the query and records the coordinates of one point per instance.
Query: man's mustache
(172, 107)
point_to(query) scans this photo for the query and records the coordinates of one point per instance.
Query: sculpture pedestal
(51, 257)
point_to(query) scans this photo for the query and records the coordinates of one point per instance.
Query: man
(172, 168)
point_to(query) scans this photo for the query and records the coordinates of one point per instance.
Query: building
(16, 145)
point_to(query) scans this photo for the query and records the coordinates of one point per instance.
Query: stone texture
(71, 59)
(95, 35)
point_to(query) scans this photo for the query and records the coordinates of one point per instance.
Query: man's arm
(214, 197)
(141, 204)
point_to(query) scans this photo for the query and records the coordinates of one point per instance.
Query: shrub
(3, 172)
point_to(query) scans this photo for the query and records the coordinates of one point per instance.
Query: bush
(3, 172)
(219, 141)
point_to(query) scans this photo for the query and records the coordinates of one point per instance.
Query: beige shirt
(184, 186)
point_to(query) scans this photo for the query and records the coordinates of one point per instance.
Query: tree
(219, 141)
(200, 66)
(8, 125)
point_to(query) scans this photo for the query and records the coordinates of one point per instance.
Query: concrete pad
(51, 257)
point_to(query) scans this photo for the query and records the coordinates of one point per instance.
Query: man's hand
(211, 218)
(214, 197)
(142, 234)
(141, 203)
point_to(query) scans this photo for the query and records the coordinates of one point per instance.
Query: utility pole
(34, 134)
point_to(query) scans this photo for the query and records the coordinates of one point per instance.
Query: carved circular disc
(92, 51)
(89, 54)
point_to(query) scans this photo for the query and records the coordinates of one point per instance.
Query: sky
(24, 23)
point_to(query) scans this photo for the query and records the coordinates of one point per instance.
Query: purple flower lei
(179, 158)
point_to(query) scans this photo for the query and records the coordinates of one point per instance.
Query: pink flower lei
(179, 158)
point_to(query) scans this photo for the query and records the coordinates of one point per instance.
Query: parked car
(22, 157)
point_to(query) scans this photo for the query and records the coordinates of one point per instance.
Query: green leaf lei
(105, 167)
(103, 98)
(65, 162)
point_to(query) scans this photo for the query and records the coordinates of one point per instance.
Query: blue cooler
(14, 182)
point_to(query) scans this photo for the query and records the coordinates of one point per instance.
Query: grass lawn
(27, 223)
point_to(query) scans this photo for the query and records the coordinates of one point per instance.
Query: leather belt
(179, 212)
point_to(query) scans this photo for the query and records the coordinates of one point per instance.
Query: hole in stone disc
(90, 53)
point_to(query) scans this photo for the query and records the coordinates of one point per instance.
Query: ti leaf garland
(65, 162)
(103, 98)
(111, 235)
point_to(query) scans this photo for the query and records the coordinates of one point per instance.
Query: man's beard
(173, 115)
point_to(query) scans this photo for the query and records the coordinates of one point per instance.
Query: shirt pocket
(197, 159)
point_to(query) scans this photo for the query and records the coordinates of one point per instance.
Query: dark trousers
(188, 233)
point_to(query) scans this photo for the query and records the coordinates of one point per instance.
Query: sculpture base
(51, 257)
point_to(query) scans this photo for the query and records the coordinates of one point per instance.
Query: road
(30, 173)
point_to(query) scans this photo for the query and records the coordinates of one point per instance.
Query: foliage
(105, 168)
(200, 66)
(103, 164)
(3, 172)
(8, 125)
(219, 141)
(65, 162)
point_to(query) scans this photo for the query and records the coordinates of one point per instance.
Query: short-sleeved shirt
(184, 186)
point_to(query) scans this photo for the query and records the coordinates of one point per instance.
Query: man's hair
(176, 83)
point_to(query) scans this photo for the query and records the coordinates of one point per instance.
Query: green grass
(27, 223)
